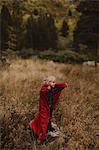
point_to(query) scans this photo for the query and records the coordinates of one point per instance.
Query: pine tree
(16, 29)
(12, 43)
(64, 29)
(5, 22)
(87, 30)
(41, 32)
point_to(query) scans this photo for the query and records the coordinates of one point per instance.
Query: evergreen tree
(41, 32)
(64, 29)
(17, 28)
(69, 12)
(5, 22)
(86, 33)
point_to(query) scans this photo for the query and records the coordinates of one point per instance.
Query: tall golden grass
(19, 97)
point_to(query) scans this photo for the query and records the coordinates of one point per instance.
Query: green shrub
(63, 56)
(9, 53)
(26, 53)
(62, 42)
(59, 4)
(49, 54)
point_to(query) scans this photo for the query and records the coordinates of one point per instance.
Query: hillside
(53, 7)
(33, 26)
(78, 105)
(57, 8)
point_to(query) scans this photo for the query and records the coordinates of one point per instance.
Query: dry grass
(19, 94)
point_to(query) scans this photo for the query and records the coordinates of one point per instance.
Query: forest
(43, 27)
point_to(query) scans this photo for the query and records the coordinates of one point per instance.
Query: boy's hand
(49, 87)
(66, 85)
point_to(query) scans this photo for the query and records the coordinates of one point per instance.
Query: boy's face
(51, 83)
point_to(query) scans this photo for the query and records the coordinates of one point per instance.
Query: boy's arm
(61, 85)
(50, 95)
(45, 89)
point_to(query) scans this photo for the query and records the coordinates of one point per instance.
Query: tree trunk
(98, 48)
(0, 53)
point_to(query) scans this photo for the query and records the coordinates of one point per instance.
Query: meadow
(76, 114)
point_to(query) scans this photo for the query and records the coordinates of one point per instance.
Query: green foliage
(64, 29)
(63, 56)
(10, 54)
(31, 25)
(87, 29)
(5, 21)
(38, 31)
(49, 54)
(26, 53)
(17, 25)
(11, 26)
(69, 12)
(41, 32)
(62, 43)
(59, 4)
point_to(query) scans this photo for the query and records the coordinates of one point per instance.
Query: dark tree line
(11, 26)
(5, 22)
(38, 32)
(41, 32)
(64, 29)
(86, 35)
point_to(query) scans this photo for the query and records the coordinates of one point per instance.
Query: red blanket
(40, 123)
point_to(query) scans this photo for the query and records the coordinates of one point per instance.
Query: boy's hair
(49, 78)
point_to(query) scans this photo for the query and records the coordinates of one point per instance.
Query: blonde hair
(49, 78)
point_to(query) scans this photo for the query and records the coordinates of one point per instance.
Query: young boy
(49, 95)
